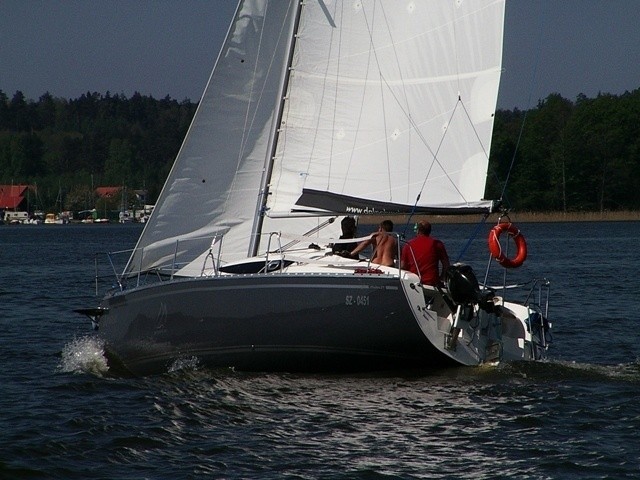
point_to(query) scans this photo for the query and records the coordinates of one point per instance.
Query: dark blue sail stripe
(345, 204)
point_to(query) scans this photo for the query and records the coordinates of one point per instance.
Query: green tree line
(64, 147)
(562, 155)
(569, 156)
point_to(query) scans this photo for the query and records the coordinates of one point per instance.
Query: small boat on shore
(57, 219)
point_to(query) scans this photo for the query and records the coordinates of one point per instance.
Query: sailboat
(316, 110)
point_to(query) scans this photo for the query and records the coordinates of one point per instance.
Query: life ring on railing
(496, 249)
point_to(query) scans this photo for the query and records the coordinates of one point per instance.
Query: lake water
(576, 415)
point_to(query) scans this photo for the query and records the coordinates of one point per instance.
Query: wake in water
(87, 355)
(551, 370)
(84, 355)
(184, 364)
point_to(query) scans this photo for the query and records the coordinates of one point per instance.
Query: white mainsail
(386, 102)
(389, 100)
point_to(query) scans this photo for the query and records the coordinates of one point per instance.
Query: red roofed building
(108, 192)
(14, 197)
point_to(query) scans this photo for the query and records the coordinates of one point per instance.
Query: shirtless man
(385, 246)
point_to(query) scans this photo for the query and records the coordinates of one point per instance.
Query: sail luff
(264, 184)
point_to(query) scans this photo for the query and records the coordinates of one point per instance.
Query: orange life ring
(496, 249)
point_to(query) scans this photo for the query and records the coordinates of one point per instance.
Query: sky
(168, 47)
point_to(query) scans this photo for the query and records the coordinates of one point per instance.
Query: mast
(258, 217)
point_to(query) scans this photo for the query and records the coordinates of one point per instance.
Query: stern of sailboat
(479, 329)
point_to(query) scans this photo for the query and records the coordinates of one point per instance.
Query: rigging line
(473, 127)
(266, 74)
(421, 136)
(472, 237)
(435, 160)
(250, 122)
(386, 143)
(321, 100)
(357, 130)
(335, 97)
(435, 155)
(410, 216)
(526, 112)
(454, 23)
(407, 114)
(386, 140)
(459, 102)
(384, 116)
(402, 84)
(315, 229)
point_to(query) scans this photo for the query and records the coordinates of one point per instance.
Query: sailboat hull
(302, 125)
(268, 322)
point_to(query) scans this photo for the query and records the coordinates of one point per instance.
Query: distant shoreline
(519, 217)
